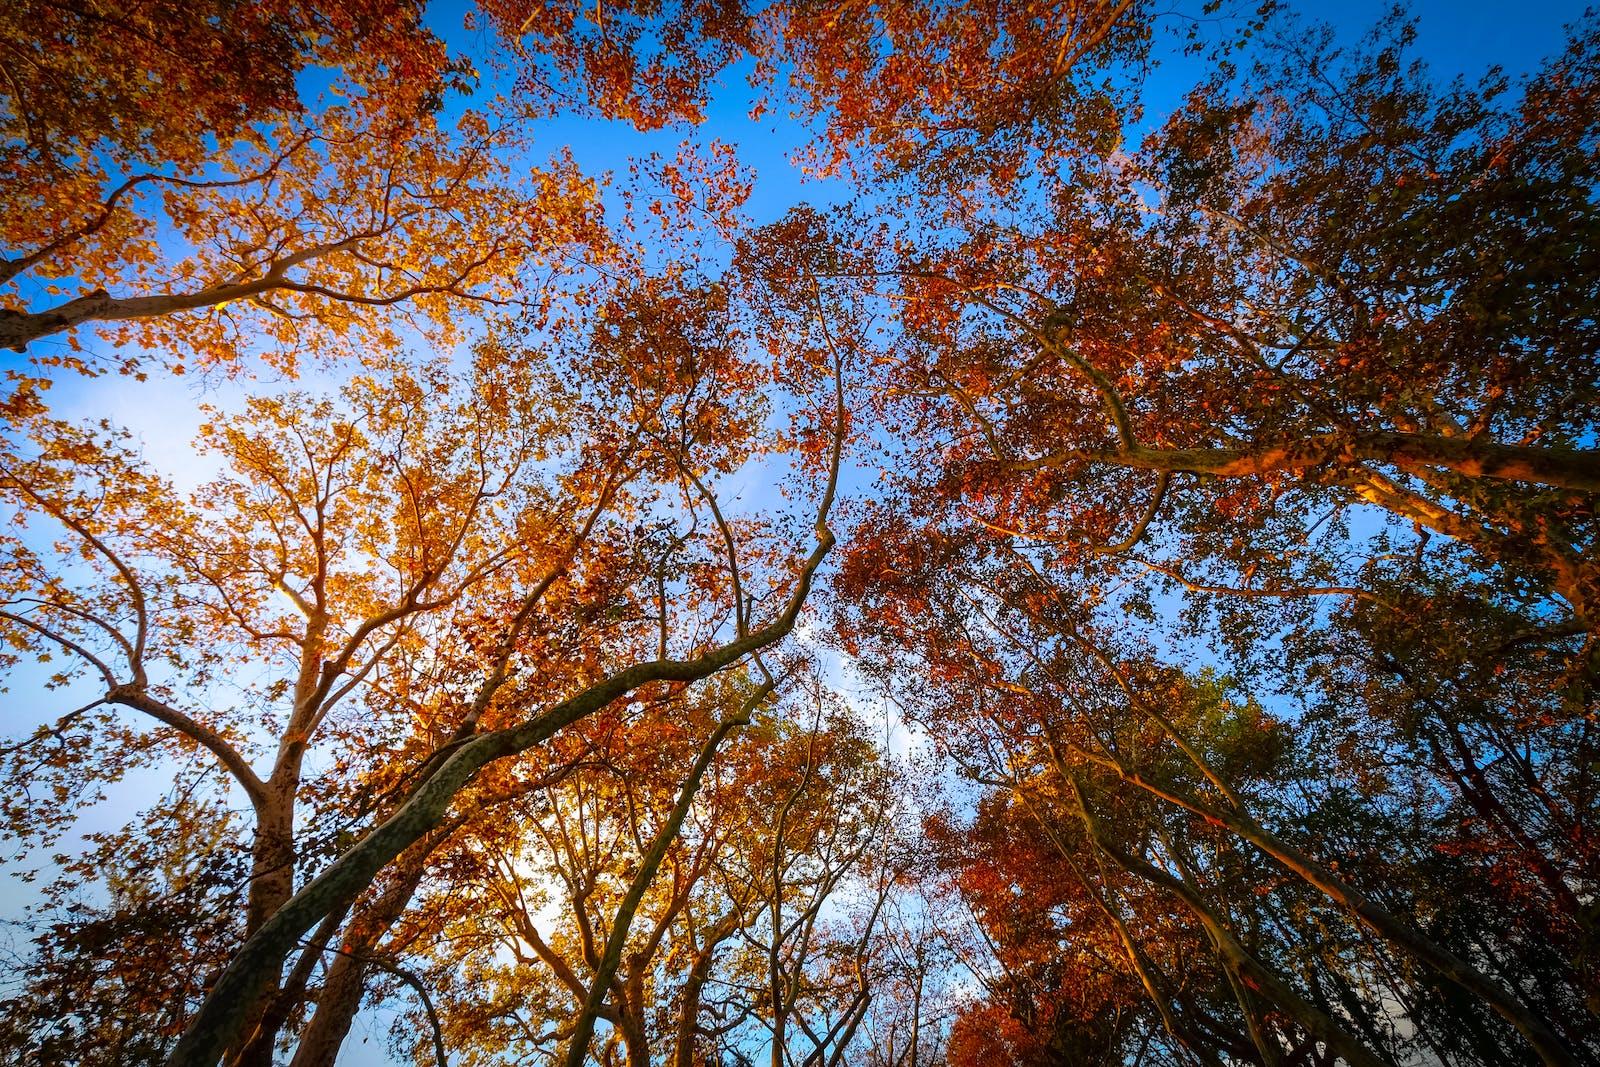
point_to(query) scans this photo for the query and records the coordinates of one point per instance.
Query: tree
(413, 554)
(1232, 365)
(1382, 369)
(116, 982)
(694, 975)
(188, 202)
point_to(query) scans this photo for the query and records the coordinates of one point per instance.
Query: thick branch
(1402, 935)
(1228, 947)
(583, 1029)
(1562, 468)
(207, 738)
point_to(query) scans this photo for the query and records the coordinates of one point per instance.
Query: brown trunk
(272, 859)
(636, 1044)
(611, 959)
(272, 856)
(1398, 933)
(293, 992)
(699, 974)
(342, 989)
(337, 1003)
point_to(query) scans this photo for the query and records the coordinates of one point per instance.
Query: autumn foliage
(1111, 582)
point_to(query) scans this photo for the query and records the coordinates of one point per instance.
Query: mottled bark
(699, 973)
(583, 1027)
(272, 859)
(340, 996)
(223, 1014)
(1397, 932)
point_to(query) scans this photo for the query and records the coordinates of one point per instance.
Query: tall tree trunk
(1234, 955)
(583, 1027)
(1402, 935)
(699, 974)
(342, 989)
(272, 860)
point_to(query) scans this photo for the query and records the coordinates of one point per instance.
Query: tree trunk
(699, 974)
(342, 989)
(1234, 955)
(1397, 932)
(272, 860)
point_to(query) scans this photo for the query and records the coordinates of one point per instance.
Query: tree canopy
(1104, 574)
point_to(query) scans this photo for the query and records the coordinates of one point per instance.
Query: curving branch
(65, 642)
(1110, 397)
(10, 268)
(1287, 593)
(1233, 954)
(18, 329)
(1157, 497)
(124, 572)
(1574, 469)
(436, 1031)
(134, 696)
